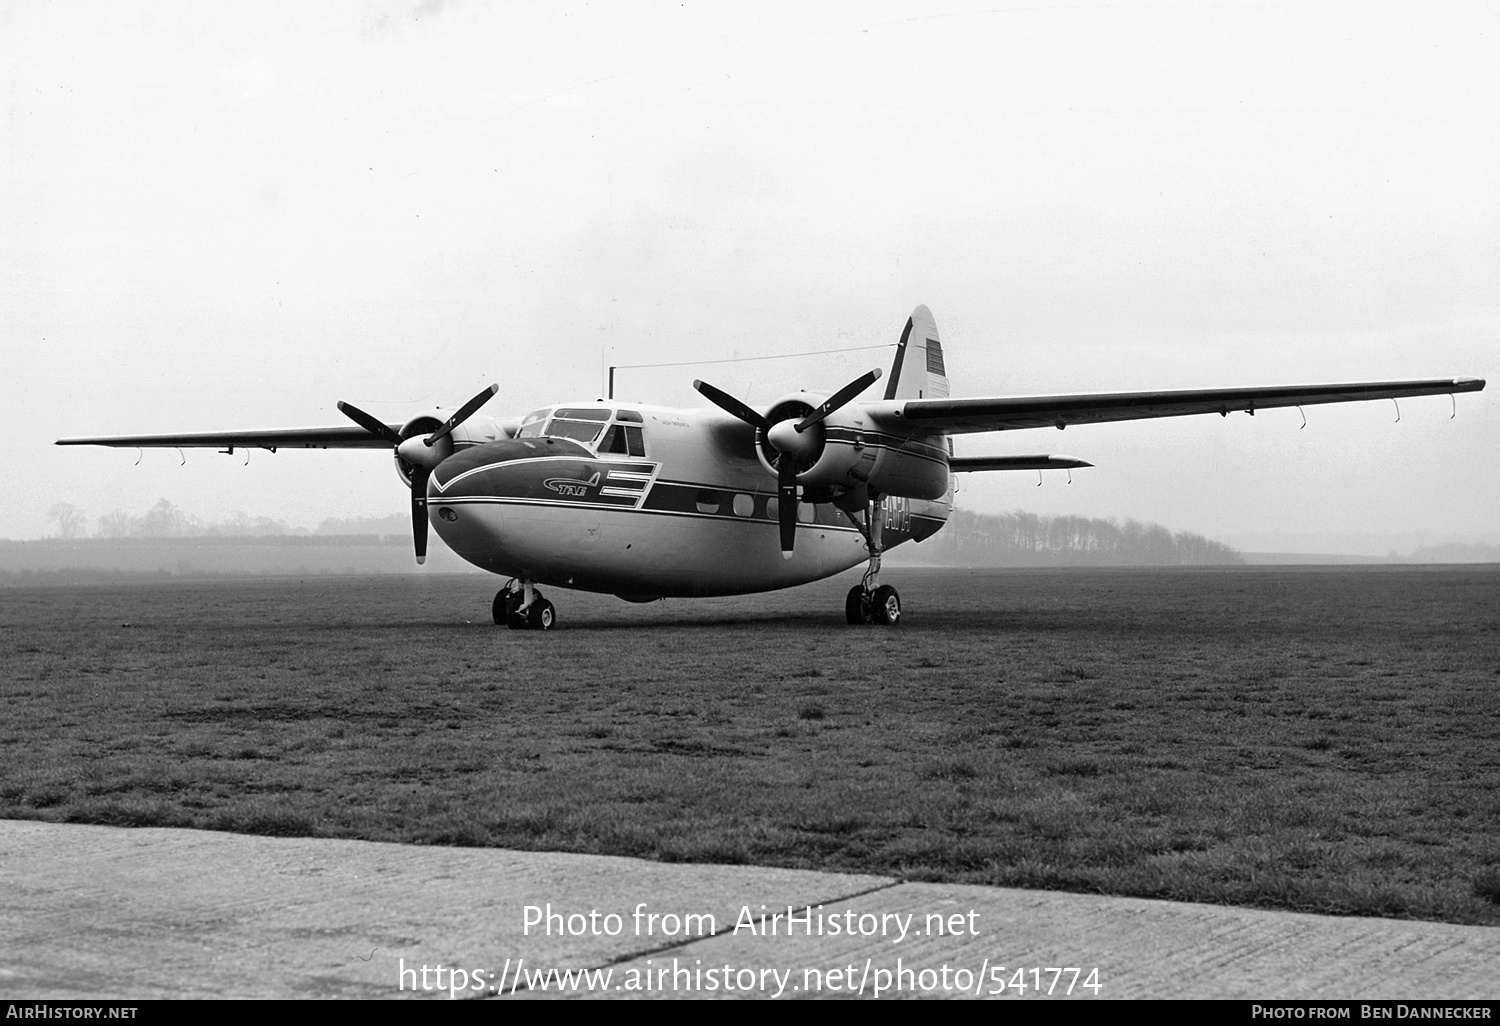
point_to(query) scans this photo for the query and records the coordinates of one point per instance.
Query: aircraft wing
(350, 436)
(959, 416)
(966, 464)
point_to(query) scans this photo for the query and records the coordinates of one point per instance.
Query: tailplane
(918, 371)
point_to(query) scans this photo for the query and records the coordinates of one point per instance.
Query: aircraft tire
(501, 608)
(886, 606)
(543, 616)
(857, 606)
(514, 618)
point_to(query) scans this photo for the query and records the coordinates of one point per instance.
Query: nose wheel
(521, 607)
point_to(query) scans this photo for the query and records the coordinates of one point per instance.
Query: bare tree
(69, 519)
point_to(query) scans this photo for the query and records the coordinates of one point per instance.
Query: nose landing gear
(521, 607)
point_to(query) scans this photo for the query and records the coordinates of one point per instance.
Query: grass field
(1321, 739)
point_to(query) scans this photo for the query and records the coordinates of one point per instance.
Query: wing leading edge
(960, 416)
(349, 437)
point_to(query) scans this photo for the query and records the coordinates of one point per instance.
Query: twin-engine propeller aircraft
(646, 502)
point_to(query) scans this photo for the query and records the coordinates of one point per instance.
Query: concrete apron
(103, 912)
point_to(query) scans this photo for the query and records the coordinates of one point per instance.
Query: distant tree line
(979, 539)
(1026, 539)
(163, 520)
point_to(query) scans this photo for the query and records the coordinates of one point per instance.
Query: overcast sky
(222, 216)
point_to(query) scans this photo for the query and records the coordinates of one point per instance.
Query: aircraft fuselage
(684, 509)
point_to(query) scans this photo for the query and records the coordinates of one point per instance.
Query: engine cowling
(413, 452)
(831, 455)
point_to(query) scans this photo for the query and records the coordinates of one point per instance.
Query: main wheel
(514, 618)
(857, 605)
(886, 606)
(543, 615)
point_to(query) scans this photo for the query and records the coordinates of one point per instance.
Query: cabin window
(743, 505)
(707, 501)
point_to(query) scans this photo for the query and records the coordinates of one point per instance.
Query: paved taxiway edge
(103, 912)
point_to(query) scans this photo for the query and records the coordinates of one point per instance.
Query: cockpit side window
(623, 440)
(614, 441)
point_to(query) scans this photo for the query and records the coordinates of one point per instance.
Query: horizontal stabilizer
(966, 464)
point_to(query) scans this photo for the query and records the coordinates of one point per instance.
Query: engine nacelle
(412, 432)
(845, 455)
(477, 430)
(832, 457)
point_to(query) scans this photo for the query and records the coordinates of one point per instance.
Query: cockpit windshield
(582, 424)
(585, 424)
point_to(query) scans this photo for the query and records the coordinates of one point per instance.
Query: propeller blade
(369, 423)
(839, 398)
(786, 501)
(464, 413)
(419, 511)
(729, 404)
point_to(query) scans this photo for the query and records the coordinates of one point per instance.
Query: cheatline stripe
(489, 500)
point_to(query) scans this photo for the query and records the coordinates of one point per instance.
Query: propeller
(421, 454)
(789, 437)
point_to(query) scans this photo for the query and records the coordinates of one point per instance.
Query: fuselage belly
(636, 555)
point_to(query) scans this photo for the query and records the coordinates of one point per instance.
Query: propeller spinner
(422, 454)
(793, 441)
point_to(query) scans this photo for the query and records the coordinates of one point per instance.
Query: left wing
(343, 437)
(960, 416)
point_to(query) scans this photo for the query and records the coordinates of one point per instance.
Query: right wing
(958, 416)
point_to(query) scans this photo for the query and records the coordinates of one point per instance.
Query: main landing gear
(869, 601)
(521, 607)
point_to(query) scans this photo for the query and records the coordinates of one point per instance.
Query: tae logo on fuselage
(571, 487)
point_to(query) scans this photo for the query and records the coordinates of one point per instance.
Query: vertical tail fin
(918, 371)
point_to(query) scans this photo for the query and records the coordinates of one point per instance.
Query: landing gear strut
(521, 607)
(869, 601)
